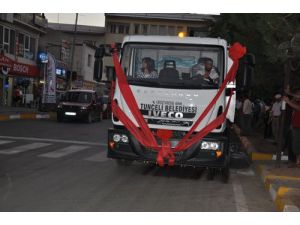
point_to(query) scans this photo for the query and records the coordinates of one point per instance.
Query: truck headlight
(59, 106)
(117, 137)
(210, 145)
(124, 138)
(83, 108)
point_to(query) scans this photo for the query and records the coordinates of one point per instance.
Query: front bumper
(194, 156)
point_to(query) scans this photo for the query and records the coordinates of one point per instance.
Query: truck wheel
(210, 173)
(225, 172)
(100, 117)
(60, 118)
(124, 162)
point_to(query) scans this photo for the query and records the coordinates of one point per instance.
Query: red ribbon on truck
(142, 132)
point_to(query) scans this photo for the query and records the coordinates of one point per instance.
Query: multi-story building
(120, 24)
(19, 37)
(59, 40)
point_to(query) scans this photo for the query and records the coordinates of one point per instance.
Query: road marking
(248, 172)
(239, 196)
(64, 151)
(99, 157)
(2, 142)
(24, 148)
(56, 140)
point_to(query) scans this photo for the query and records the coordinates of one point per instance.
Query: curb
(280, 195)
(251, 150)
(27, 116)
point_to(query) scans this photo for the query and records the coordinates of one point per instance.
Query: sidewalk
(282, 182)
(13, 113)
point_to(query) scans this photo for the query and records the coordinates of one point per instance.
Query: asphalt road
(49, 166)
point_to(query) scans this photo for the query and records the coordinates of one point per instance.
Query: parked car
(80, 105)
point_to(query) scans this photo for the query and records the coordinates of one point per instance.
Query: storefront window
(1, 35)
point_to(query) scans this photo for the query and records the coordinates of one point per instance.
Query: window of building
(120, 29)
(179, 29)
(136, 28)
(6, 40)
(26, 46)
(89, 61)
(127, 29)
(113, 28)
(153, 29)
(162, 30)
(1, 35)
(145, 29)
(171, 30)
(12, 42)
(32, 47)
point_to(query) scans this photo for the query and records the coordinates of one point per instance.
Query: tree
(262, 34)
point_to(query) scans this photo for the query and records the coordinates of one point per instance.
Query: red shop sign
(16, 68)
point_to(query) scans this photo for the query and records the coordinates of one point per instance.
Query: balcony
(34, 21)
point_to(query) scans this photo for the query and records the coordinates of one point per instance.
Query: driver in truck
(205, 71)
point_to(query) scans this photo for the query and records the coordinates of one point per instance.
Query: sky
(92, 19)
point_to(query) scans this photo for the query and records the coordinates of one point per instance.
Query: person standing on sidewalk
(295, 125)
(246, 115)
(276, 113)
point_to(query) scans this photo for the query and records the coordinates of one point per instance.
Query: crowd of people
(256, 114)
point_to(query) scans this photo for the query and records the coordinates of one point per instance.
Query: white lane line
(56, 140)
(2, 142)
(99, 157)
(64, 151)
(248, 172)
(24, 148)
(239, 196)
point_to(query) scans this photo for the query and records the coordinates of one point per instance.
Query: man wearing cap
(276, 113)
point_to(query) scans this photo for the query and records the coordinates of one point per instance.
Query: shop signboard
(16, 68)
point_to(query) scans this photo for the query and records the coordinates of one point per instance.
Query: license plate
(70, 113)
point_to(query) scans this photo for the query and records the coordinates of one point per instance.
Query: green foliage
(261, 34)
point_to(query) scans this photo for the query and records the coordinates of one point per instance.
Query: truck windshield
(80, 97)
(173, 65)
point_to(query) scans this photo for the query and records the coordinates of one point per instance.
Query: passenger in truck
(148, 69)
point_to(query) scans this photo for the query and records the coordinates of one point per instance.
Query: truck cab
(173, 80)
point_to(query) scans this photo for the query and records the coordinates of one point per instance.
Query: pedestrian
(17, 96)
(276, 113)
(246, 116)
(294, 103)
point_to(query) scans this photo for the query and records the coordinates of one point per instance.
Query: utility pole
(73, 51)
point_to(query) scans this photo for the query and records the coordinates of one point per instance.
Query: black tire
(210, 173)
(124, 162)
(225, 173)
(89, 118)
(100, 118)
(60, 118)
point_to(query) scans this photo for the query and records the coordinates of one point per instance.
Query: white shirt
(276, 109)
(247, 107)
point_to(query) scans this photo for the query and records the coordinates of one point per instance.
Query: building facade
(59, 40)
(19, 38)
(167, 24)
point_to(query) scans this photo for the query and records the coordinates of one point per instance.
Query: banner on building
(49, 92)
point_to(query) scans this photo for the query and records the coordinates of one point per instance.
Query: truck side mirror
(98, 68)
